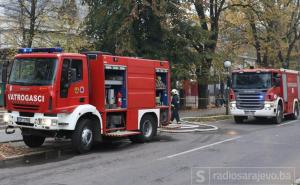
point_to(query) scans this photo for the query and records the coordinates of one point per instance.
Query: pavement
(10, 137)
(173, 159)
(202, 112)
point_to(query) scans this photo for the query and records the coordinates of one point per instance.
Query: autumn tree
(69, 27)
(271, 27)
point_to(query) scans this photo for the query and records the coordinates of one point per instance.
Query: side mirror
(71, 75)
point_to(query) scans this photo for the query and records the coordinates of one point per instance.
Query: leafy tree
(271, 27)
(69, 27)
(182, 36)
(150, 29)
(127, 27)
(160, 29)
(208, 15)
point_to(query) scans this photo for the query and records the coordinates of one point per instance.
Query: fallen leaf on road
(7, 150)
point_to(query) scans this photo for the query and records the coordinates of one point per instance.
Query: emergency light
(41, 50)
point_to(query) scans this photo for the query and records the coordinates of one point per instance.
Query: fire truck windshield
(251, 80)
(33, 71)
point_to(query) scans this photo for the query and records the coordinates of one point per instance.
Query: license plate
(23, 120)
(249, 113)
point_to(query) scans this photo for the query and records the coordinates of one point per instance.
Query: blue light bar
(25, 50)
(41, 50)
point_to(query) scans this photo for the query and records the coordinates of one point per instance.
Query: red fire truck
(86, 97)
(268, 93)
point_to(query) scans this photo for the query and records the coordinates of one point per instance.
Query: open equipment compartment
(161, 97)
(115, 87)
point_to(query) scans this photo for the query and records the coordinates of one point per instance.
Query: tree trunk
(202, 95)
(256, 40)
(202, 78)
(265, 59)
(22, 25)
(32, 23)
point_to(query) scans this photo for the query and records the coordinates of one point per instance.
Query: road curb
(208, 118)
(29, 158)
(52, 151)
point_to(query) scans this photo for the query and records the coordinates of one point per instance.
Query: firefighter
(175, 106)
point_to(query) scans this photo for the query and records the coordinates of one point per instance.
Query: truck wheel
(148, 129)
(83, 136)
(279, 115)
(239, 119)
(296, 112)
(33, 141)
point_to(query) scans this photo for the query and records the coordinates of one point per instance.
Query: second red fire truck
(86, 96)
(267, 93)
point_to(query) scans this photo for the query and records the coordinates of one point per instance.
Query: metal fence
(191, 102)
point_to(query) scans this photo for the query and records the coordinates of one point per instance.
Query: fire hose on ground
(188, 126)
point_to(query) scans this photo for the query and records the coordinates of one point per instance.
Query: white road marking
(199, 148)
(287, 123)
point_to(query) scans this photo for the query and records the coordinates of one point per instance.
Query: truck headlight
(269, 105)
(6, 118)
(47, 122)
(232, 105)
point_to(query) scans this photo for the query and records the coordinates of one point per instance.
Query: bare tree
(26, 17)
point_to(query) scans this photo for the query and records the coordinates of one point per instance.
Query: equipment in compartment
(159, 83)
(161, 98)
(115, 120)
(115, 87)
(111, 96)
(119, 99)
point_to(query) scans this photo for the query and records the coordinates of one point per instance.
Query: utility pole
(227, 65)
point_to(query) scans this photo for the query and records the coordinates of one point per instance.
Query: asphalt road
(170, 158)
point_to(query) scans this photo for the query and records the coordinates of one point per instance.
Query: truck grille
(26, 114)
(250, 101)
(25, 124)
(25, 107)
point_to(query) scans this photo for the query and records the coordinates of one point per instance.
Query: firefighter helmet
(174, 91)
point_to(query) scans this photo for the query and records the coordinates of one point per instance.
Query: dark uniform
(175, 107)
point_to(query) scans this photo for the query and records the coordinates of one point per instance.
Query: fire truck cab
(86, 97)
(267, 93)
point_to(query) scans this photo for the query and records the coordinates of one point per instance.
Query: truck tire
(279, 115)
(33, 141)
(295, 115)
(238, 119)
(83, 136)
(148, 130)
